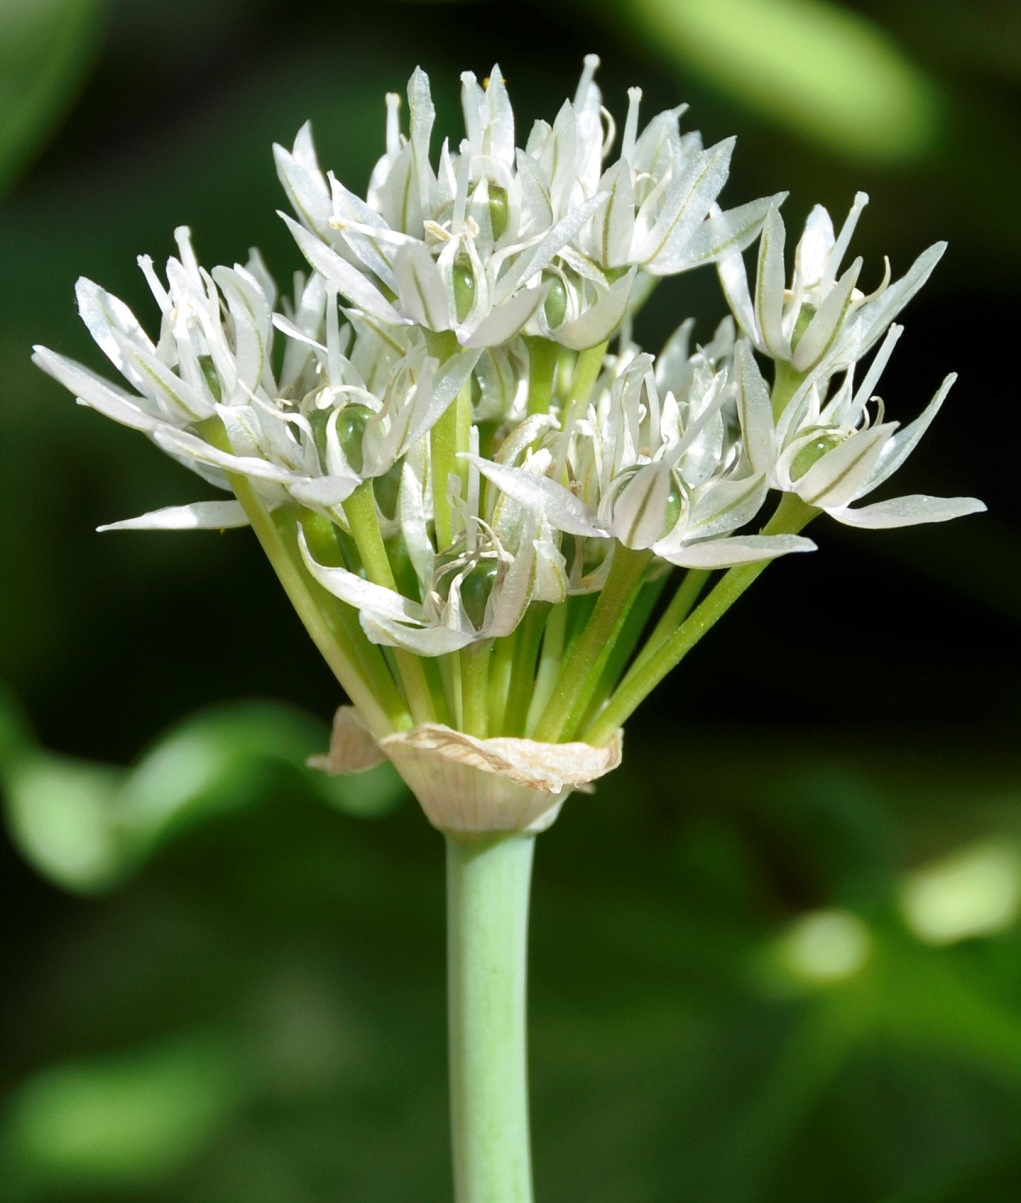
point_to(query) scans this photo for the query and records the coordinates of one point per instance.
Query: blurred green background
(777, 956)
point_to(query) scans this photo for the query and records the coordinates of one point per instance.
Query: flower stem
(681, 605)
(487, 932)
(543, 356)
(334, 628)
(586, 371)
(580, 676)
(360, 509)
(791, 516)
(474, 665)
(523, 684)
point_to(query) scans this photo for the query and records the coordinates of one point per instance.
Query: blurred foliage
(46, 49)
(737, 992)
(88, 827)
(776, 957)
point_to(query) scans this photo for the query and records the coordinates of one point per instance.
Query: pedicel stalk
(501, 521)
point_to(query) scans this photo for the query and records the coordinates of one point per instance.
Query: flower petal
(911, 510)
(740, 549)
(348, 280)
(95, 392)
(561, 508)
(199, 515)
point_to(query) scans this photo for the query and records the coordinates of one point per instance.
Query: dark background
(256, 1010)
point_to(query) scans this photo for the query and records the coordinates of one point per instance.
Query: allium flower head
(445, 457)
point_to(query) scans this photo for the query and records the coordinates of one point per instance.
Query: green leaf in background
(823, 71)
(47, 48)
(119, 1121)
(87, 827)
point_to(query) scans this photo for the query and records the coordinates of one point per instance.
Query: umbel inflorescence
(472, 482)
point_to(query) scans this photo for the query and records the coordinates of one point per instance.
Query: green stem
(501, 669)
(791, 516)
(623, 649)
(487, 943)
(475, 687)
(363, 519)
(550, 658)
(356, 664)
(543, 356)
(586, 371)
(523, 682)
(444, 463)
(574, 688)
(680, 607)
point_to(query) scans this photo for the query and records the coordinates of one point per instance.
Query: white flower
(496, 239)
(458, 248)
(212, 356)
(474, 590)
(822, 322)
(658, 473)
(831, 453)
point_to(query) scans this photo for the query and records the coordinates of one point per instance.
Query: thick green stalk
(551, 656)
(487, 943)
(443, 449)
(791, 516)
(627, 641)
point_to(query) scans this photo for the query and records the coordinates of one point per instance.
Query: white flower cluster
(439, 387)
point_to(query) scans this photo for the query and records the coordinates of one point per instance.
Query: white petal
(103, 313)
(533, 260)
(741, 549)
(873, 317)
(814, 246)
(734, 282)
(601, 320)
(837, 477)
(180, 442)
(420, 287)
(95, 392)
(324, 492)
(911, 510)
(144, 368)
(754, 409)
(685, 206)
(615, 226)
(505, 320)
(358, 592)
(897, 450)
(303, 181)
(423, 641)
(769, 286)
(348, 280)
(724, 232)
(824, 328)
(200, 515)
(560, 507)
(721, 506)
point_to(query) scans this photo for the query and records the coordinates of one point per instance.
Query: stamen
(591, 63)
(393, 124)
(471, 100)
(627, 146)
